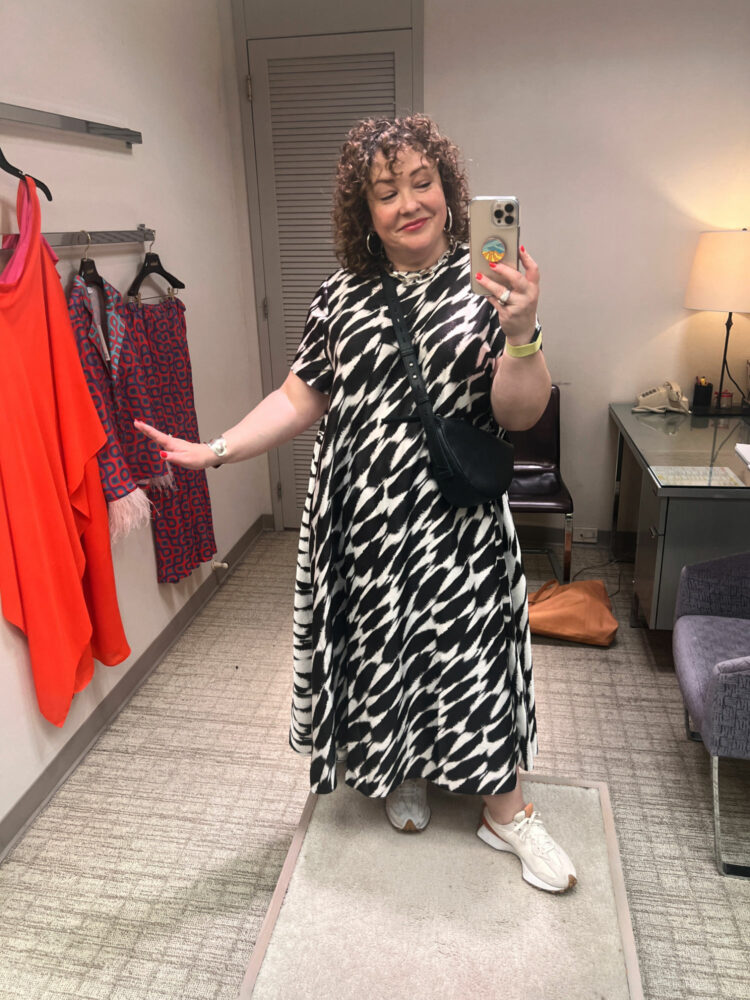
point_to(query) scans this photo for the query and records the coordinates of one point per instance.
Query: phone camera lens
(509, 207)
(498, 215)
(509, 220)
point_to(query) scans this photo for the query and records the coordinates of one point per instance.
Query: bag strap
(413, 374)
(545, 591)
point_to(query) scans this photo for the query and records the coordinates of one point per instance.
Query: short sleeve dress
(412, 656)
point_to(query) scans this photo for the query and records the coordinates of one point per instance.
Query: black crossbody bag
(470, 465)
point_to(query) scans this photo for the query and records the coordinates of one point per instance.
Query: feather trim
(128, 513)
(164, 483)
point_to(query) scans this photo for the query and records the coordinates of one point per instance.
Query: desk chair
(537, 486)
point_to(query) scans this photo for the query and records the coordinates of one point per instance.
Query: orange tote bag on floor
(578, 611)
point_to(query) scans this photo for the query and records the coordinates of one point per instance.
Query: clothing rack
(83, 238)
(64, 123)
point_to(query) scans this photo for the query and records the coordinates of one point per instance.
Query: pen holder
(702, 396)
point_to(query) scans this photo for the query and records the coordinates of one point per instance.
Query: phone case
(494, 235)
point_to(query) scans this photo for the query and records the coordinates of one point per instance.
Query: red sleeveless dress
(56, 578)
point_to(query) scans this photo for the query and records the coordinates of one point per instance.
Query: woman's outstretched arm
(282, 415)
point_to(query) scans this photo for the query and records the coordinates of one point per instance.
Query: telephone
(667, 396)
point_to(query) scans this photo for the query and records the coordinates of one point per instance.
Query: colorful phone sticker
(494, 250)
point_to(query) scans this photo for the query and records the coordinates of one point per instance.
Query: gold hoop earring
(449, 220)
(372, 253)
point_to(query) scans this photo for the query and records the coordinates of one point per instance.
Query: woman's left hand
(518, 313)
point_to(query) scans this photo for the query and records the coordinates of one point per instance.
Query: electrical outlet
(588, 535)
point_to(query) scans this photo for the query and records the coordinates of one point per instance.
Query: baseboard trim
(541, 535)
(28, 807)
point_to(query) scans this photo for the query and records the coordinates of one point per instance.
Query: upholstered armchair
(711, 647)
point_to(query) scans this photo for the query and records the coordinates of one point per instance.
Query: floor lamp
(720, 282)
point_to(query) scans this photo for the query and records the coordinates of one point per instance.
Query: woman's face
(408, 210)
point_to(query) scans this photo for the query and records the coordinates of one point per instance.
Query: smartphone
(494, 236)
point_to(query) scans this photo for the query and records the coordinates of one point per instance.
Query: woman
(411, 643)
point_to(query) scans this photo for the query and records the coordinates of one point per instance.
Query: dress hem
(523, 761)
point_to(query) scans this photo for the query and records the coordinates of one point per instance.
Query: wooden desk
(681, 522)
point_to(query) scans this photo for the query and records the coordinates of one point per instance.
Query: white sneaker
(407, 808)
(545, 864)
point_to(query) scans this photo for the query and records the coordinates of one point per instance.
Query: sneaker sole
(410, 826)
(492, 840)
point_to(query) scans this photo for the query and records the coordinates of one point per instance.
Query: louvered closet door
(307, 93)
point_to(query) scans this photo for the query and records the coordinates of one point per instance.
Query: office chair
(537, 486)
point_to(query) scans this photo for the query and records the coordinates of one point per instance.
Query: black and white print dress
(411, 640)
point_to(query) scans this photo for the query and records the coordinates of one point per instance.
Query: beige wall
(623, 129)
(165, 69)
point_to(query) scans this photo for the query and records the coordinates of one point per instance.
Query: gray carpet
(150, 872)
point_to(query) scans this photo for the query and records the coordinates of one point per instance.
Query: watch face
(219, 445)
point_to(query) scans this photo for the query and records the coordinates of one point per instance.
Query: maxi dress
(412, 655)
(57, 583)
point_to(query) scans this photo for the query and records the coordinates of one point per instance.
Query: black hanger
(152, 265)
(88, 270)
(10, 169)
(89, 273)
(93, 279)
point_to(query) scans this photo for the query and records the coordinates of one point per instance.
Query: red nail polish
(493, 266)
(162, 454)
(479, 276)
(523, 249)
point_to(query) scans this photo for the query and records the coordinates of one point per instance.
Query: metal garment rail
(64, 123)
(84, 237)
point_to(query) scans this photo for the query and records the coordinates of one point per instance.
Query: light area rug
(361, 910)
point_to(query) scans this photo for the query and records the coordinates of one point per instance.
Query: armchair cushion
(712, 660)
(719, 587)
(729, 697)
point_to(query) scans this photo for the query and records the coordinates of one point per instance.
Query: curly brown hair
(351, 213)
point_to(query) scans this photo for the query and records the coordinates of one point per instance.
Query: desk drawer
(697, 530)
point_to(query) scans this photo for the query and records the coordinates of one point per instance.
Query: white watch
(219, 447)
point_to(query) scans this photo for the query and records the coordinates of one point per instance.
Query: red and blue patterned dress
(112, 363)
(137, 365)
(182, 522)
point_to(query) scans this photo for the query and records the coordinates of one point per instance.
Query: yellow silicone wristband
(523, 350)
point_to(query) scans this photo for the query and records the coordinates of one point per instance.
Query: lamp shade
(720, 276)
